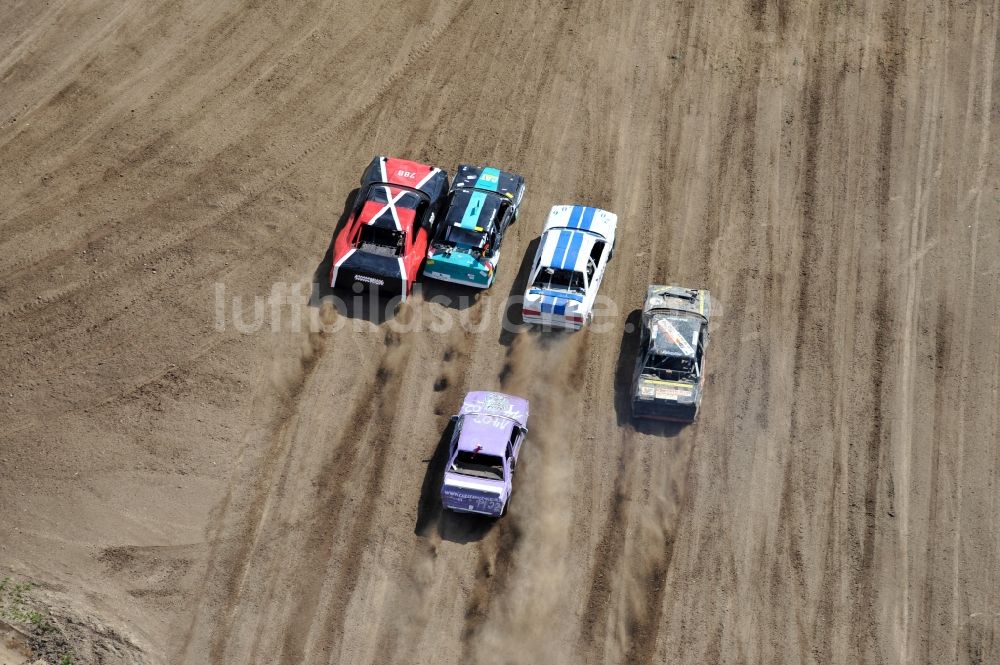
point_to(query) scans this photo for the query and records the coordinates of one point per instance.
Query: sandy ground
(221, 492)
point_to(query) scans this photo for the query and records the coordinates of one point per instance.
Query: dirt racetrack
(216, 489)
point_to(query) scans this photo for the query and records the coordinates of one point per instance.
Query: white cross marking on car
(391, 205)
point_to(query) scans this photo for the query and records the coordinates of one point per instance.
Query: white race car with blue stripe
(574, 251)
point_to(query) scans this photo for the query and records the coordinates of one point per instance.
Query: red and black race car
(385, 239)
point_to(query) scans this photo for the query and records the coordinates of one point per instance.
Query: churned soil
(215, 483)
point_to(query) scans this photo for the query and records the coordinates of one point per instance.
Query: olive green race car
(670, 369)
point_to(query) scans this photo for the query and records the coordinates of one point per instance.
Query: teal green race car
(481, 206)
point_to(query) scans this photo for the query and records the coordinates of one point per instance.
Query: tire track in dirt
(254, 193)
(644, 630)
(609, 549)
(927, 167)
(345, 445)
(808, 341)
(89, 94)
(181, 69)
(134, 384)
(942, 356)
(370, 421)
(760, 10)
(609, 562)
(450, 386)
(494, 565)
(849, 318)
(283, 416)
(864, 616)
(750, 570)
(739, 137)
(974, 643)
(740, 140)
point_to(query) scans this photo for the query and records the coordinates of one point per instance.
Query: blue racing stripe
(574, 217)
(588, 218)
(470, 219)
(573, 253)
(489, 178)
(562, 244)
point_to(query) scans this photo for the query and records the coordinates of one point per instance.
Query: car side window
(456, 433)
(422, 214)
(595, 253)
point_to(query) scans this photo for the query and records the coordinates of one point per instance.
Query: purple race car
(489, 431)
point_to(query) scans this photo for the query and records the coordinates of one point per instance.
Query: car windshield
(561, 280)
(403, 198)
(374, 239)
(670, 367)
(480, 465)
(459, 237)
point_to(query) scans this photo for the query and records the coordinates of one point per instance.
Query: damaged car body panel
(670, 368)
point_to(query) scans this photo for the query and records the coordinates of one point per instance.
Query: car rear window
(478, 464)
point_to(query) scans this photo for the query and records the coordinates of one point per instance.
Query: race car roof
(472, 210)
(487, 420)
(592, 220)
(485, 434)
(488, 179)
(499, 404)
(674, 335)
(567, 249)
(389, 207)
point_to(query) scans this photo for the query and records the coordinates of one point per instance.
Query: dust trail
(645, 562)
(528, 618)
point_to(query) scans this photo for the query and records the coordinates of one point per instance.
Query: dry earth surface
(211, 491)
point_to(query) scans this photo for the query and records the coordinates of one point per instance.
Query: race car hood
(583, 218)
(677, 299)
(386, 273)
(394, 171)
(504, 183)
